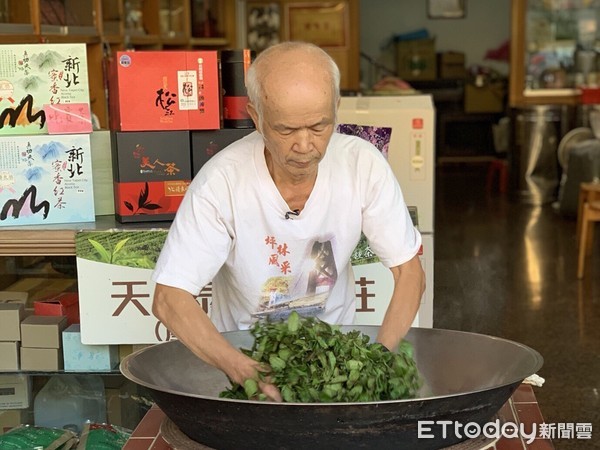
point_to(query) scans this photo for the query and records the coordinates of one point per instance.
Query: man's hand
(245, 368)
(180, 313)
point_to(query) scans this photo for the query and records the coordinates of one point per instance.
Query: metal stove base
(179, 441)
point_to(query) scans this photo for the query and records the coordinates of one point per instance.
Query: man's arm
(409, 285)
(179, 311)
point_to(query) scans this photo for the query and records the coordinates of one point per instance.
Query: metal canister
(234, 66)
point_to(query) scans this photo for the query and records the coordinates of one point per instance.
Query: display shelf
(552, 51)
(58, 240)
(70, 38)
(42, 373)
(118, 24)
(209, 42)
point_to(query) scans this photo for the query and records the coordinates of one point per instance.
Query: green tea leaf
(250, 387)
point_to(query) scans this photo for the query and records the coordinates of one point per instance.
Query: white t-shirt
(231, 229)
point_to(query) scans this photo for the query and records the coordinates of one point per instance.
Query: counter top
(522, 407)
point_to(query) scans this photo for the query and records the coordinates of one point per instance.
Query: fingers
(270, 390)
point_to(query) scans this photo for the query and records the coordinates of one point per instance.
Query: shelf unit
(535, 35)
(106, 26)
(57, 240)
(28, 253)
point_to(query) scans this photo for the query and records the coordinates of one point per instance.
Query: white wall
(486, 26)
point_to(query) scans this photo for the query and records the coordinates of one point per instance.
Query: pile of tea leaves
(313, 361)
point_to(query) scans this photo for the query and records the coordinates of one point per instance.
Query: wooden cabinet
(106, 26)
(332, 25)
(553, 51)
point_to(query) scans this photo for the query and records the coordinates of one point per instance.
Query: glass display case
(554, 50)
(15, 17)
(39, 396)
(67, 17)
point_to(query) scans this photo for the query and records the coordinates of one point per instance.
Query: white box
(115, 302)
(80, 357)
(14, 297)
(104, 201)
(9, 356)
(15, 391)
(375, 284)
(11, 315)
(41, 359)
(12, 418)
(411, 150)
(46, 179)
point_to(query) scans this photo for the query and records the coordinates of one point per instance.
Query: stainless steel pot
(468, 377)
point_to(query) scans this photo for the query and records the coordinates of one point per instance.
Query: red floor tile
(160, 444)
(507, 412)
(150, 424)
(529, 414)
(138, 444)
(509, 444)
(524, 394)
(541, 444)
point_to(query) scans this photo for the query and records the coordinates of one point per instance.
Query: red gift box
(164, 90)
(590, 95)
(64, 304)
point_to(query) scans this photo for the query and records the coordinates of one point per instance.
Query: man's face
(298, 121)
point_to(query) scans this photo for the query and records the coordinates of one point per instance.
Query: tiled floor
(508, 269)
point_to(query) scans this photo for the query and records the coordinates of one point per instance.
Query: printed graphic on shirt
(302, 286)
(380, 137)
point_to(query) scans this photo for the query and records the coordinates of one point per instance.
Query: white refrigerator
(411, 155)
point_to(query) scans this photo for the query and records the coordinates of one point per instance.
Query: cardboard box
(12, 418)
(80, 357)
(124, 351)
(9, 356)
(15, 391)
(206, 144)
(14, 297)
(41, 359)
(152, 171)
(46, 180)
(42, 331)
(164, 90)
(11, 315)
(103, 174)
(416, 59)
(64, 304)
(41, 288)
(39, 76)
(121, 408)
(451, 65)
(488, 98)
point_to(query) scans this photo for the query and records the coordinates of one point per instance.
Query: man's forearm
(181, 314)
(409, 285)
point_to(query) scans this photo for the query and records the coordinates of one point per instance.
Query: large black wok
(468, 377)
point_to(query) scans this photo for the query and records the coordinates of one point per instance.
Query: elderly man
(272, 220)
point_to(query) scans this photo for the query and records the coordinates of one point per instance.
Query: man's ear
(253, 115)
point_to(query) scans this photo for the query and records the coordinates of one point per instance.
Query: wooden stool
(500, 167)
(590, 214)
(588, 192)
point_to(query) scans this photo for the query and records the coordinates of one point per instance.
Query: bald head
(292, 71)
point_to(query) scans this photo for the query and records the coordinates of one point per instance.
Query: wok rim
(537, 357)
